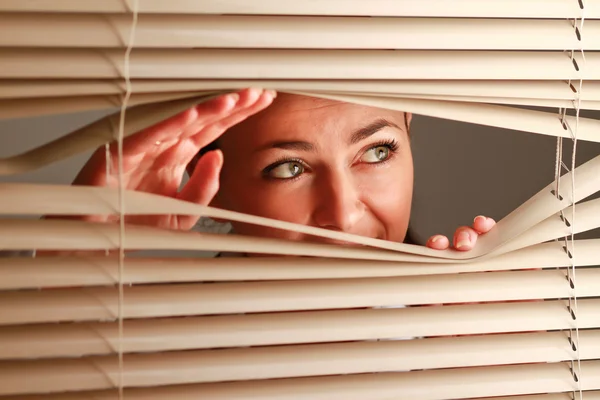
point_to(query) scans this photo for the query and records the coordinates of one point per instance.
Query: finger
(202, 186)
(483, 224)
(465, 238)
(438, 242)
(172, 128)
(253, 101)
(180, 155)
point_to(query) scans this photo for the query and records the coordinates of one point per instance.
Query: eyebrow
(371, 129)
(356, 137)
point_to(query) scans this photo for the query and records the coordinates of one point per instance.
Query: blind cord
(121, 190)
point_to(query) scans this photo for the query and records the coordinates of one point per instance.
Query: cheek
(282, 201)
(388, 195)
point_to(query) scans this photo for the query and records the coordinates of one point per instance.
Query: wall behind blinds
(461, 170)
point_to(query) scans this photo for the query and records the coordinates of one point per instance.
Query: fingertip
(438, 242)
(250, 96)
(483, 224)
(464, 239)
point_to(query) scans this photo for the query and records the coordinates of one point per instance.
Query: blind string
(121, 189)
(570, 240)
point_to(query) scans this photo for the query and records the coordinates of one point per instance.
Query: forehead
(306, 118)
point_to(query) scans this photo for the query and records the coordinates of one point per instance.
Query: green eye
(286, 170)
(376, 154)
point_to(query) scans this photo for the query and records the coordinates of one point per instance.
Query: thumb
(202, 186)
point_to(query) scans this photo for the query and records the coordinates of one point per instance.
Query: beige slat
(31, 273)
(290, 32)
(510, 89)
(426, 8)
(587, 217)
(168, 334)
(76, 235)
(95, 135)
(140, 117)
(70, 235)
(154, 301)
(23, 108)
(543, 123)
(511, 101)
(589, 395)
(296, 64)
(523, 224)
(31, 107)
(426, 385)
(139, 370)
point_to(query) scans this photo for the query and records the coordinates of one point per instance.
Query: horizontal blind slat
(167, 334)
(428, 8)
(296, 64)
(61, 375)
(31, 273)
(78, 235)
(427, 385)
(482, 88)
(289, 32)
(85, 304)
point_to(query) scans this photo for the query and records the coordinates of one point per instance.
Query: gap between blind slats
(170, 334)
(32, 273)
(154, 301)
(425, 385)
(296, 64)
(289, 32)
(29, 107)
(155, 369)
(395, 8)
(551, 90)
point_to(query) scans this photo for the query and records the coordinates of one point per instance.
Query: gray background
(461, 170)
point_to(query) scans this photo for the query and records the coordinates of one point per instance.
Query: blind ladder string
(121, 190)
(569, 240)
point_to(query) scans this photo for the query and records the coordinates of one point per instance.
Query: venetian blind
(110, 327)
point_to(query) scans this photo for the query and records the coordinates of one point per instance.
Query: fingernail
(481, 217)
(463, 239)
(436, 238)
(272, 92)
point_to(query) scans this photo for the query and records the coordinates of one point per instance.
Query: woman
(306, 160)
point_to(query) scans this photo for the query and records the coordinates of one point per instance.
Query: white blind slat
(426, 8)
(426, 385)
(296, 64)
(62, 375)
(31, 273)
(557, 90)
(167, 334)
(187, 31)
(81, 304)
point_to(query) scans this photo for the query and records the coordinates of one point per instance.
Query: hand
(155, 159)
(465, 237)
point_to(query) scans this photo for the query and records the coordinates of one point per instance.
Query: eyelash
(391, 144)
(277, 163)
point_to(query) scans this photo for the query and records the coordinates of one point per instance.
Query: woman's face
(321, 163)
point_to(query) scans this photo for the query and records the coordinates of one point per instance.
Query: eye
(376, 154)
(286, 170)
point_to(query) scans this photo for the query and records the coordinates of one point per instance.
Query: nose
(338, 206)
